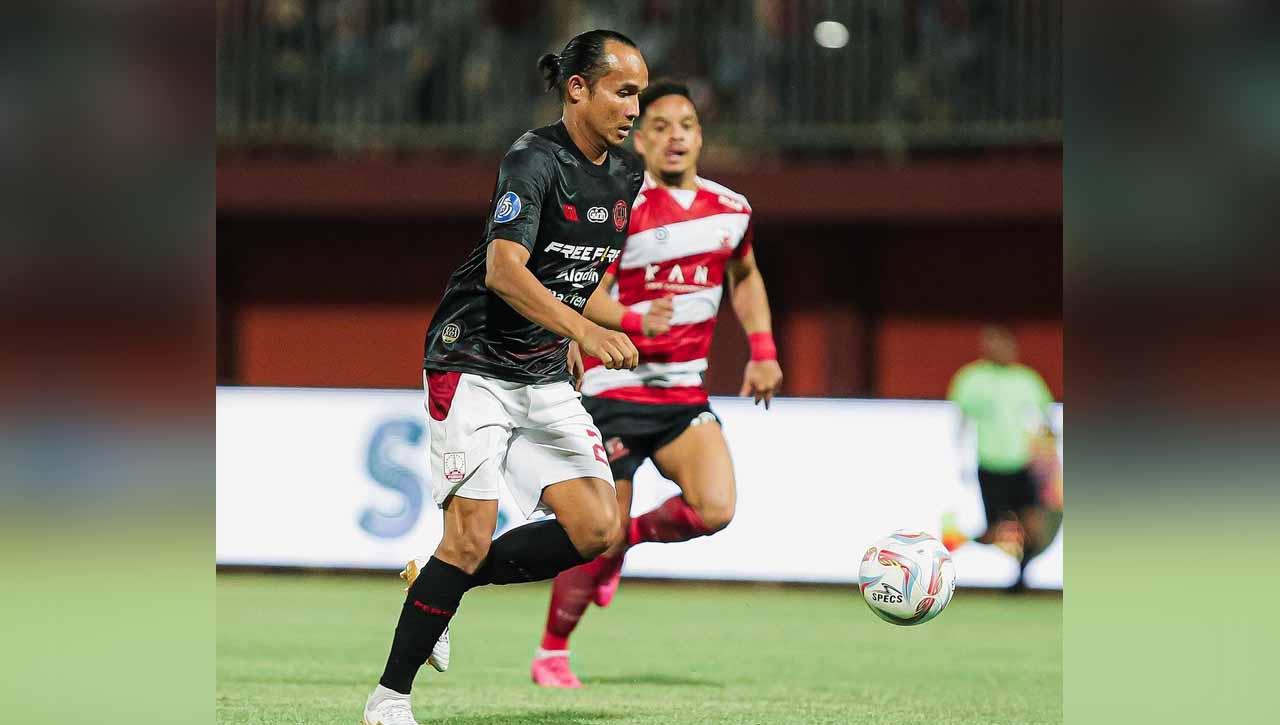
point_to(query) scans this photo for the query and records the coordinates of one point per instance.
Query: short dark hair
(660, 89)
(583, 55)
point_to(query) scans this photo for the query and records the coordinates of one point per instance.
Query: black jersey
(572, 216)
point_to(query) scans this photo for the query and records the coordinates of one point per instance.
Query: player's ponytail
(582, 56)
(549, 66)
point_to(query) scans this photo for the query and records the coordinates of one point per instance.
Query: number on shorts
(597, 449)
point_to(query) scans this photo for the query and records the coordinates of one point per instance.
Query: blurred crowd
(455, 62)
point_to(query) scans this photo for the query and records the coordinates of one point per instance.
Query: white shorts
(486, 432)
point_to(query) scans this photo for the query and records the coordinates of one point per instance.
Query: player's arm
(763, 375)
(605, 311)
(507, 275)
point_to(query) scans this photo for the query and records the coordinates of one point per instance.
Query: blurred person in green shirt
(1008, 403)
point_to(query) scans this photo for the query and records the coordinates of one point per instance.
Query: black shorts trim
(635, 431)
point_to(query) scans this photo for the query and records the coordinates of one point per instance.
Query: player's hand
(614, 349)
(658, 319)
(761, 380)
(576, 368)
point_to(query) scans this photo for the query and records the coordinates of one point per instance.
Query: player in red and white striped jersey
(687, 236)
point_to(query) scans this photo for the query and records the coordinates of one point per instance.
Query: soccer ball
(907, 577)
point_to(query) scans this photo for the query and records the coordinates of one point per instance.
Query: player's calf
(467, 555)
(464, 547)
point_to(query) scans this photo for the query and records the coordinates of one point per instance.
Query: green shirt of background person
(1008, 403)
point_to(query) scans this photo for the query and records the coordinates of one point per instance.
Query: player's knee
(619, 544)
(616, 535)
(465, 551)
(716, 515)
(596, 533)
(601, 536)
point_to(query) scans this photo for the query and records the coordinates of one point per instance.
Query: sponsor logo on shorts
(705, 416)
(616, 449)
(508, 208)
(451, 333)
(597, 215)
(455, 467)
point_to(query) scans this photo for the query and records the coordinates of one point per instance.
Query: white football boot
(439, 658)
(393, 710)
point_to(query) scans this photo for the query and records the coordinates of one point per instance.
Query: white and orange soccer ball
(907, 577)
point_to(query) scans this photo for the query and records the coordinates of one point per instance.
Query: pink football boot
(551, 669)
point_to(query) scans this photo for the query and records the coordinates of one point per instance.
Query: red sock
(570, 594)
(674, 520)
(609, 565)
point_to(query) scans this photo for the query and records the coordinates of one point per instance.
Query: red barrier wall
(872, 301)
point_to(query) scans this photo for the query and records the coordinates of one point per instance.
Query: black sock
(529, 553)
(431, 602)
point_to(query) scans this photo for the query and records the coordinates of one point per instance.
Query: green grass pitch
(308, 648)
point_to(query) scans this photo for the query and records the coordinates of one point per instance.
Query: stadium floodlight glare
(831, 34)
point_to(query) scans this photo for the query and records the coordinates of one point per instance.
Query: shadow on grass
(538, 717)
(653, 678)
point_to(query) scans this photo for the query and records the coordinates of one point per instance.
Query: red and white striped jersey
(679, 249)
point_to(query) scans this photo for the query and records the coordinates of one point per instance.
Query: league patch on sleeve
(508, 208)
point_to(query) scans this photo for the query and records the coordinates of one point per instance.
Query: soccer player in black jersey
(501, 404)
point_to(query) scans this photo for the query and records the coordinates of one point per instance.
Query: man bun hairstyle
(661, 89)
(582, 56)
(549, 66)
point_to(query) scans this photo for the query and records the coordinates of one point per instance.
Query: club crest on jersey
(570, 212)
(508, 208)
(451, 333)
(620, 215)
(597, 215)
(455, 467)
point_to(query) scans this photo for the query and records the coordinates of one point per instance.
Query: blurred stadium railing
(797, 75)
